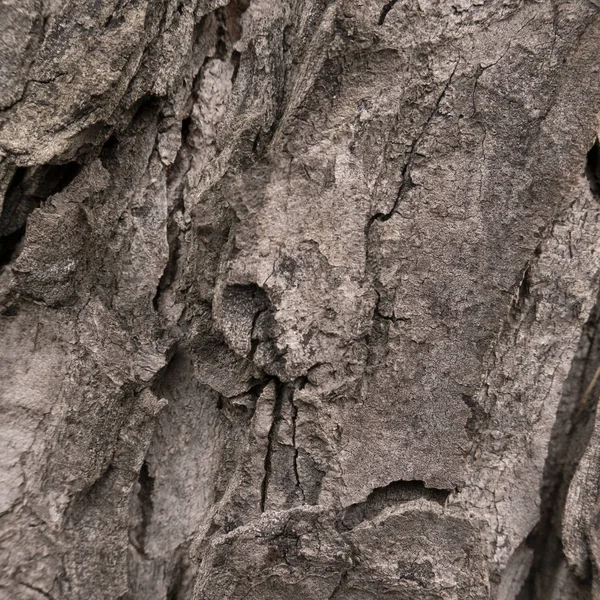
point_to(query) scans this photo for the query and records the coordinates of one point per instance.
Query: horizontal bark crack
(397, 492)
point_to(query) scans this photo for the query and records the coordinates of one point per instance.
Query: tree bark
(299, 299)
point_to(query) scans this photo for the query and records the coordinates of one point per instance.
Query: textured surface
(298, 299)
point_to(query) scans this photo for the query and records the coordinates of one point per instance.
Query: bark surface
(298, 299)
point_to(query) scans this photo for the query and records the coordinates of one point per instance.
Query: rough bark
(299, 299)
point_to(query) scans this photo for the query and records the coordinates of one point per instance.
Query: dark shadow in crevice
(235, 61)
(397, 492)
(10, 245)
(146, 507)
(170, 270)
(592, 168)
(570, 436)
(385, 10)
(109, 151)
(282, 392)
(177, 581)
(28, 189)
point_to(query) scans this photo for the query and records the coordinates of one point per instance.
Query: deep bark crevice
(227, 21)
(109, 150)
(28, 189)
(177, 586)
(294, 409)
(284, 395)
(592, 168)
(170, 269)
(281, 391)
(397, 492)
(146, 507)
(385, 10)
(9, 245)
(570, 437)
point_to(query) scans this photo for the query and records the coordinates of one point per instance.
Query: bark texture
(299, 299)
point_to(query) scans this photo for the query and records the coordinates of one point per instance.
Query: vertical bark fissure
(406, 182)
(570, 437)
(229, 31)
(385, 10)
(146, 507)
(295, 464)
(280, 390)
(592, 169)
(177, 578)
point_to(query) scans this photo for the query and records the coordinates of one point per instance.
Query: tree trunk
(299, 299)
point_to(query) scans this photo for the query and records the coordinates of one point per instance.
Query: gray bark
(299, 299)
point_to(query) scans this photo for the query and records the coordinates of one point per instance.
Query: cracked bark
(299, 299)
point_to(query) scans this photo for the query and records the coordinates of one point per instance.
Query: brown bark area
(298, 299)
